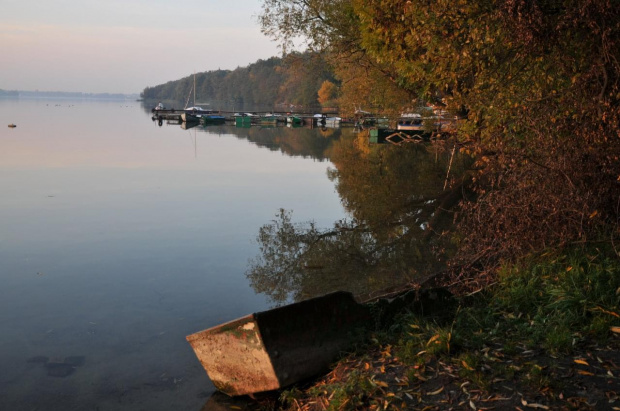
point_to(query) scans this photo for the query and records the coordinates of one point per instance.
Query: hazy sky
(122, 46)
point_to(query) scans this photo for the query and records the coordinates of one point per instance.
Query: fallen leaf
(435, 392)
(433, 339)
(582, 372)
(534, 405)
(466, 365)
(582, 362)
(615, 330)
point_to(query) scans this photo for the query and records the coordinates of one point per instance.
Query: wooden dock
(256, 118)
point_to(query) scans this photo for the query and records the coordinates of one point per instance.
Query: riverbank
(546, 335)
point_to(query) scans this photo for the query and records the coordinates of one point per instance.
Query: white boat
(323, 120)
(410, 121)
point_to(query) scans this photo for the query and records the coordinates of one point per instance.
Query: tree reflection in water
(397, 230)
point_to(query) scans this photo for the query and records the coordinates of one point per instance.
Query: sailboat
(194, 113)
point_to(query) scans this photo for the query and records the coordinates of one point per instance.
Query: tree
(540, 82)
(327, 93)
(331, 28)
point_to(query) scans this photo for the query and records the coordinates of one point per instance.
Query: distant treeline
(66, 94)
(7, 93)
(291, 81)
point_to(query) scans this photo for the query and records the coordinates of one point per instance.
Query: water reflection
(303, 142)
(120, 237)
(398, 209)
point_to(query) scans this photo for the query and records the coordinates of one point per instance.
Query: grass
(555, 301)
(508, 339)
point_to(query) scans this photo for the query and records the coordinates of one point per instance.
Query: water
(119, 237)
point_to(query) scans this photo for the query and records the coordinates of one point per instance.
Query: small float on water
(12, 125)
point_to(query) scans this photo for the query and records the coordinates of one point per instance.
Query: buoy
(12, 125)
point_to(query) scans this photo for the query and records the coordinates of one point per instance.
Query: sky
(123, 46)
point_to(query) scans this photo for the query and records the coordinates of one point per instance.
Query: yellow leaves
(594, 214)
(614, 329)
(466, 365)
(582, 362)
(582, 372)
(434, 339)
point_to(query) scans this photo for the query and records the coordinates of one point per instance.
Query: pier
(257, 118)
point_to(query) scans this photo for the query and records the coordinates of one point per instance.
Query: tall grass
(554, 300)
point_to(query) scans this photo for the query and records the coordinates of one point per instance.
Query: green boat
(212, 119)
(294, 120)
(243, 121)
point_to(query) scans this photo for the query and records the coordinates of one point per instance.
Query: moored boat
(413, 122)
(294, 120)
(207, 119)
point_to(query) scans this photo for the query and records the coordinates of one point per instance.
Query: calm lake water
(119, 237)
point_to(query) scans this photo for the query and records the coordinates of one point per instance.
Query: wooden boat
(272, 349)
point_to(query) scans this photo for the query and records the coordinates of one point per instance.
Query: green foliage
(421, 338)
(349, 393)
(553, 301)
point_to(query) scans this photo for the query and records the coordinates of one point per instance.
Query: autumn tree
(540, 82)
(327, 93)
(331, 28)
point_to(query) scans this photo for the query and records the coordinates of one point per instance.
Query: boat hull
(270, 350)
(189, 118)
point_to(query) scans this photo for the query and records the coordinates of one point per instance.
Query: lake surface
(119, 237)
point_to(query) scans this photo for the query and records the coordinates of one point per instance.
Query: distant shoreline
(67, 95)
